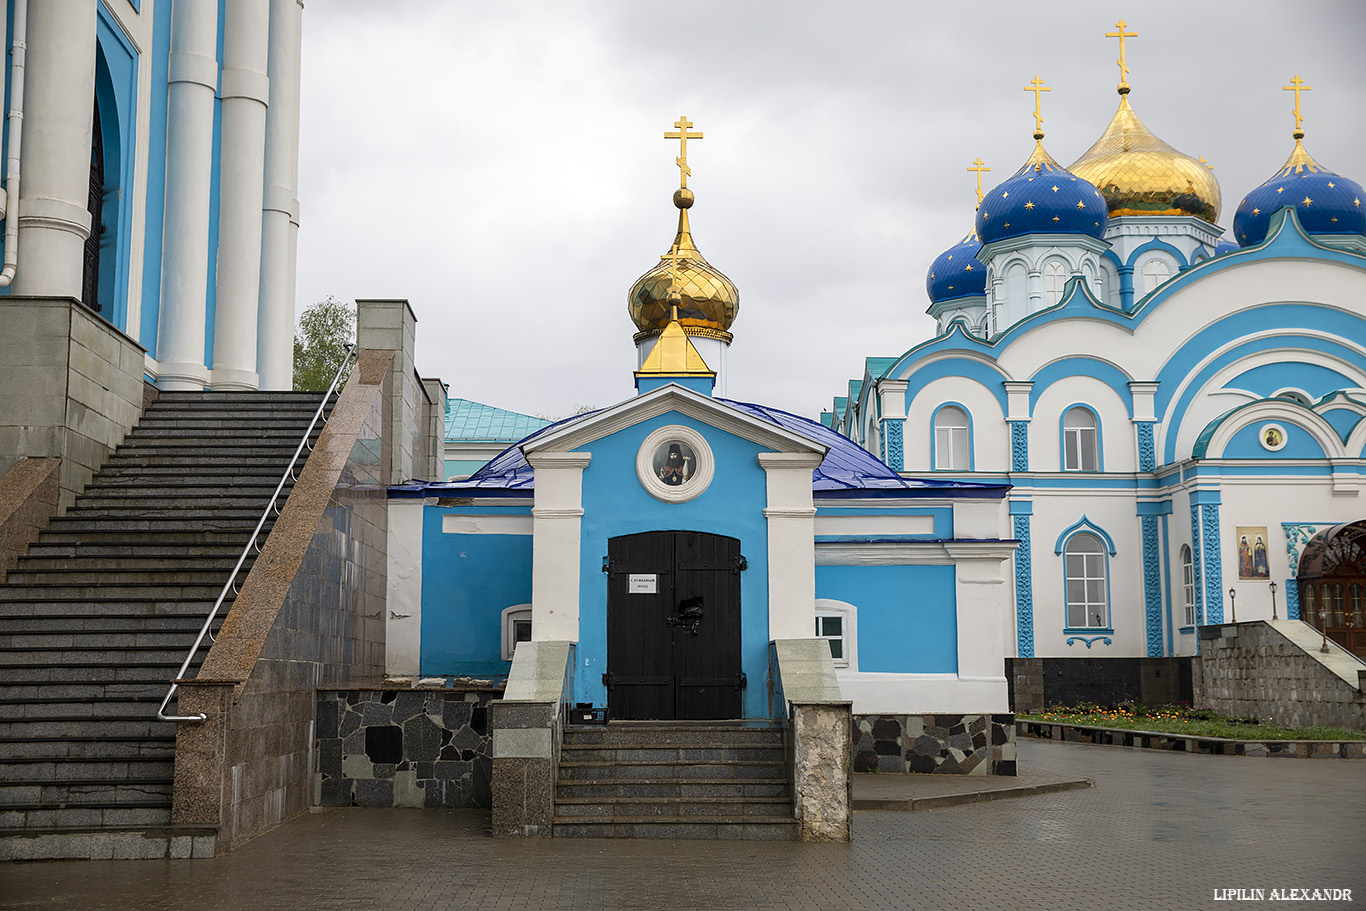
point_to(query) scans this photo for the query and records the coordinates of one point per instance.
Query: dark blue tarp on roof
(847, 467)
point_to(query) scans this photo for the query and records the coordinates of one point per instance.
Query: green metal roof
(477, 422)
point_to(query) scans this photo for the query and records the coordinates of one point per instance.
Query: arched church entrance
(1332, 584)
(673, 626)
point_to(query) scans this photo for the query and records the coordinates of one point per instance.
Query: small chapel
(679, 542)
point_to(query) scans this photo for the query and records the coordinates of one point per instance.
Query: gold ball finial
(683, 198)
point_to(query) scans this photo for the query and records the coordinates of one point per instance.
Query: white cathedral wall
(990, 436)
(1115, 513)
(1116, 428)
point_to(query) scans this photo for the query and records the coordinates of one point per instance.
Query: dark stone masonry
(942, 744)
(404, 748)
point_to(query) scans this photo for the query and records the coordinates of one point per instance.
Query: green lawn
(1172, 719)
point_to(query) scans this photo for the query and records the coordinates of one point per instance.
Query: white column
(280, 225)
(242, 159)
(59, 97)
(983, 612)
(193, 78)
(791, 516)
(556, 520)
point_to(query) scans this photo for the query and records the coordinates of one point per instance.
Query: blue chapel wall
(907, 615)
(615, 503)
(1268, 379)
(468, 580)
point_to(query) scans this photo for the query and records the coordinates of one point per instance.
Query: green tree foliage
(325, 328)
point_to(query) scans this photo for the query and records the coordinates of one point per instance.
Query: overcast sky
(502, 164)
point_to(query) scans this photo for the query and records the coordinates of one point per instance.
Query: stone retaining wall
(1251, 670)
(404, 748)
(943, 744)
(1218, 746)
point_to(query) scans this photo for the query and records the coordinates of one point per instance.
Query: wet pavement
(1158, 830)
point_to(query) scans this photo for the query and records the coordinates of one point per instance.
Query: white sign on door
(642, 584)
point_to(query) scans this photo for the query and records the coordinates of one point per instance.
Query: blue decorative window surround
(1085, 548)
(1079, 435)
(957, 435)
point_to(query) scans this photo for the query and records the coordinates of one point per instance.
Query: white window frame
(1152, 279)
(1188, 583)
(510, 618)
(952, 442)
(848, 613)
(1054, 281)
(1075, 438)
(1088, 567)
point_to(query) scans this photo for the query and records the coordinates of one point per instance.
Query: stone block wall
(940, 744)
(404, 748)
(1251, 670)
(1036, 683)
(310, 615)
(28, 501)
(73, 387)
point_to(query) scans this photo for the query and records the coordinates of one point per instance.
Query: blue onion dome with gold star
(709, 300)
(1042, 197)
(957, 272)
(1325, 203)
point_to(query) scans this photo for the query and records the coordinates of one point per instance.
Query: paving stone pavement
(1159, 830)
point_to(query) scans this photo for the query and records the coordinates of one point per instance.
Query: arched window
(1087, 591)
(952, 443)
(1155, 272)
(1188, 584)
(1054, 279)
(1081, 447)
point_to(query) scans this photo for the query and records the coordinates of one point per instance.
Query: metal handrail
(251, 542)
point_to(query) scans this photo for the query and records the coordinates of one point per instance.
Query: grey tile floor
(1159, 830)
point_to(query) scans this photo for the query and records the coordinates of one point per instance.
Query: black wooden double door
(673, 626)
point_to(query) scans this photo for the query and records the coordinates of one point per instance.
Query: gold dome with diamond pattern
(710, 300)
(1139, 174)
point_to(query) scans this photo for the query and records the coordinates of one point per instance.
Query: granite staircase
(98, 616)
(674, 779)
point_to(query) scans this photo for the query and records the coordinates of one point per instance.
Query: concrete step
(43, 624)
(236, 397)
(188, 498)
(681, 808)
(152, 637)
(723, 828)
(655, 788)
(13, 671)
(657, 753)
(181, 418)
(170, 511)
(159, 747)
(220, 475)
(84, 690)
(113, 591)
(91, 814)
(676, 732)
(183, 572)
(44, 768)
(56, 707)
(59, 728)
(113, 843)
(151, 563)
(170, 535)
(16, 795)
(54, 553)
(22, 610)
(95, 655)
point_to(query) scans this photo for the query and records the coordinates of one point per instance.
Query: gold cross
(979, 166)
(1036, 87)
(682, 135)
(1297, 85)
(673, 256)
(1121, 35)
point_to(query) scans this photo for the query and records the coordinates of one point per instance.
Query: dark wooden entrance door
(673, 626)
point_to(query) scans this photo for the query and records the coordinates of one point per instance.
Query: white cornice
(684, 401)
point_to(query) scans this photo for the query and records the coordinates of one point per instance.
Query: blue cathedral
(1181, 415)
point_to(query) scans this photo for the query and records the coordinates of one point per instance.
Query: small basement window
(516, 628)
(830, 627)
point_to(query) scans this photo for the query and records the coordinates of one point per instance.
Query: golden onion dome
(1139, 174)
(709, 301)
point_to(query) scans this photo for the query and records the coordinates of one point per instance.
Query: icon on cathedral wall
(1252, 559)
(674, 462)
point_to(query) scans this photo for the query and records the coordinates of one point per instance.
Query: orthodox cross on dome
(1036, 87)
(1123, 66)
(682, 135)
(673, 256)
(979, 166)
(1297, 85)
